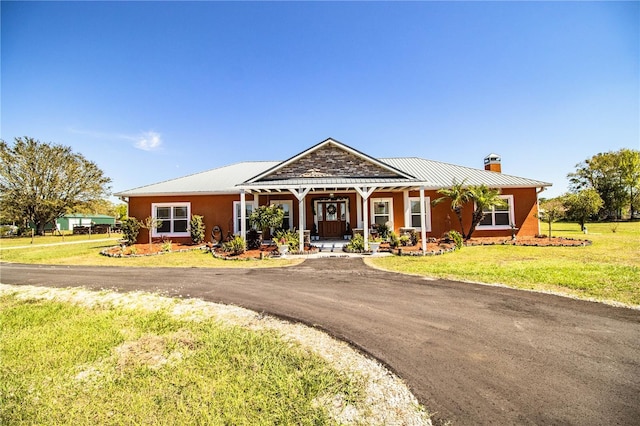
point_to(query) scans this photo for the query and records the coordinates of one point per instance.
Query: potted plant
(314, 232)
(348, 232)
(374, 244)
(283, 246)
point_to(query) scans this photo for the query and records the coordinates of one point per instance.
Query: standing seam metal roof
(225, 180)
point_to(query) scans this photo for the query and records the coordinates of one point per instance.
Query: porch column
(359, 211)
(300, 195)
(243, 215)
(365, 193)
(423, 223)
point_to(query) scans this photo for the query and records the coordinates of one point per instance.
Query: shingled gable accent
(330, 159)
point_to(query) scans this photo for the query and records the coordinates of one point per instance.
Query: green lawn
(53, 239)
(607, 270)
(68, 364)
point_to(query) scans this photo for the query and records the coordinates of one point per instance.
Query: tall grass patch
(66, 364)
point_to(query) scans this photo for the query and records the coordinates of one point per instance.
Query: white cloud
(148, 141)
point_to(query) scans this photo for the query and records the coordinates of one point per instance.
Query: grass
(608, 270)
(88, 254)
(52, 239)
(68, 364)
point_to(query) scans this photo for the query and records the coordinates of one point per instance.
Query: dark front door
(332, 219)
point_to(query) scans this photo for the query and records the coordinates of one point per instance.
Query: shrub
(405, 240)
(253, 240)
(130, 229)
(393, 239)
(456, 237)
(166, 245)
(383, 230)
(235, 246)
(196, 228)
(414, 237)
(290, 238)
(356, 244)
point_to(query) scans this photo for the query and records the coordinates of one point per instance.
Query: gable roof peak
(330, 158)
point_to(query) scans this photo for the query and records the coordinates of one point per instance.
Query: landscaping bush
(393, 239)
(383, 230)
(253, 240)
(356, 244)
(292, 239)
(130, 229)
(236, 246)
(405, 240)
(456, 237)
(196, 229)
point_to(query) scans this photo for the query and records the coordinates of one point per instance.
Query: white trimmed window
(174, 217)
(381, 211)
(249, 206)
(498, 218)
(287, 206)
(412, 219)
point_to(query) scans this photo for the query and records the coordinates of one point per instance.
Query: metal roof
(428, 173)
(441, 175)
(222, 180)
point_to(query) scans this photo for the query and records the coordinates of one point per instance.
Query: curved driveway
(472, 354)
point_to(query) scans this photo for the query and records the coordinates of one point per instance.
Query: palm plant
(459, 195)
(485, 198)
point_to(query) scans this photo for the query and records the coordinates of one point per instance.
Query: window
(499, 217)
(174, 217)
(414, 213)
(287, 206)
(381, 211)
(237, 217)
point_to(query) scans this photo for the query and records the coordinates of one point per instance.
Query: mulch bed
(539, 241)
(433, 248)
(148, 250)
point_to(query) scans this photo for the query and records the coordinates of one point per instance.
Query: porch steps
(330, 246)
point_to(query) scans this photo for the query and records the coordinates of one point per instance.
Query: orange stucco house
(331, 186)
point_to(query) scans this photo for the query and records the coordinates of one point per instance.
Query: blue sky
(156, 90)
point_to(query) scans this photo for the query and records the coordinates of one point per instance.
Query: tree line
(603, 187)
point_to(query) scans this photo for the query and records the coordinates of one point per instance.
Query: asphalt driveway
(472, 354)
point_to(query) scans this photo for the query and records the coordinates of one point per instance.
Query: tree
(582, 205)
(40, 182)
(99, 206)
(265, 218)
(151, 223)
(551, 211)
(485, 199)
(121, 211)
(458, 195)
(629, 163)
(614, 175)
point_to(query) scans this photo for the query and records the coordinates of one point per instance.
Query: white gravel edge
(388, 401)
